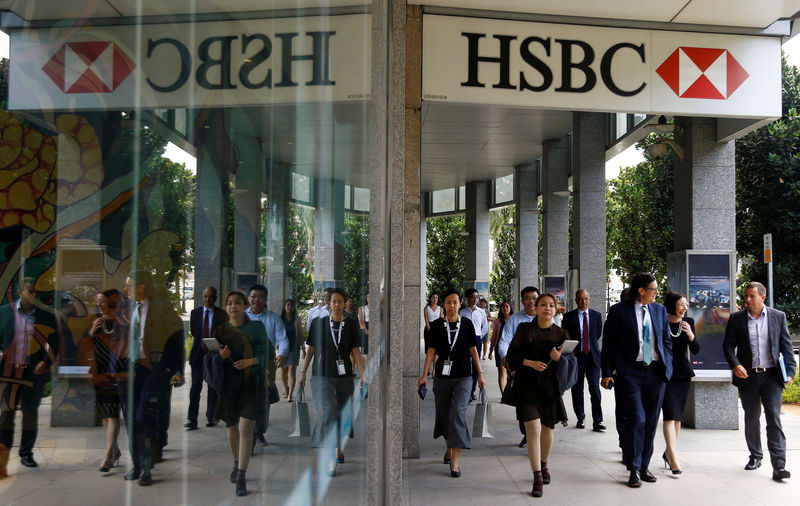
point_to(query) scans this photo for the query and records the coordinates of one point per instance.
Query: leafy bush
(791, 394)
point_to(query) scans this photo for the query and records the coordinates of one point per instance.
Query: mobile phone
(422, 391)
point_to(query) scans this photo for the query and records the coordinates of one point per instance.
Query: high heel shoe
(667, 465)
(455, 473)
(446, 459)
(106, 465)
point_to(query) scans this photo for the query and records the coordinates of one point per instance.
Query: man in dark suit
(637, 345)
(202, 323)
(585, 325)
(29, 343)
(754, 339)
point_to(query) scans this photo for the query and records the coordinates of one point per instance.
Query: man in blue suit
(585, 325)
(637, 345)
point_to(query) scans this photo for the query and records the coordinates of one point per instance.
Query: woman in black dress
(453, 340)
(681, 329)
(533, 356)
(332, 342)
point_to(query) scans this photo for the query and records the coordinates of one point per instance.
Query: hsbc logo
(89, 67)
(700, 72)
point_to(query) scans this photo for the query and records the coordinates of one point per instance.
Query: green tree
(356, 256)
(177, 187)
(768, 199)
(299, 222)
(446, 253)
(639, 217)
(504, 267)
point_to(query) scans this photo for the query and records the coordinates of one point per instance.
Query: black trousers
(640, 393)
(194, 395)
(30, 429)
(764, 389)
(135, 411)
(591, 372)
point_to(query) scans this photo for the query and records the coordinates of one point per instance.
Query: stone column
(277, 186)
(589, 201)
(555, 222)
(247, 203)
(705, 218)
(476, 272)
(526, 184)
(328, 227)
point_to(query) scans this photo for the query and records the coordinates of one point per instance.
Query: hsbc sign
(214, 64)
(552, 66)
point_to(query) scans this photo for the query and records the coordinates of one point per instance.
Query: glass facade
(170, 324)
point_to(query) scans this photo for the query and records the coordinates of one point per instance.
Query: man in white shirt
(478, 317)
(321, 310)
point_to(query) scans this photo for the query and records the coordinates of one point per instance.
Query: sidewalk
(586, 468)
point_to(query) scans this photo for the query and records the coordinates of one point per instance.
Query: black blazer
(681, 366)
(736, 345)
(621, 338)
(196, 328)
(573, 328)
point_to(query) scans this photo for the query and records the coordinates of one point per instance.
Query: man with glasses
(637, 345)
(529, 294)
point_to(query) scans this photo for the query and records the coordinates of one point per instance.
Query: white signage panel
(211, 64)
(555, 66)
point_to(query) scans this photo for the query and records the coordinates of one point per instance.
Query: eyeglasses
(528, 299)
(652, 289)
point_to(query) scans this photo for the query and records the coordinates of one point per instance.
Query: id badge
(340, 367)
(446, 367)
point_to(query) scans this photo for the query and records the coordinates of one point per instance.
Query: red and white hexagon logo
(701, 72)
(89, 67)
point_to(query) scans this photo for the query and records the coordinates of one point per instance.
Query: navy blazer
(196, 328)
(736, 345)
(573, 328)
(621, 338)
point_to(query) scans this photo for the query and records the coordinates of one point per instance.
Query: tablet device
(212, 344)
(569, 346)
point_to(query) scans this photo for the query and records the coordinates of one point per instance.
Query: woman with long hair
(430, 313)
(503, 314)
(533, 355)
(452, 339)
(681, 329)
(297, 347)
(248, 358)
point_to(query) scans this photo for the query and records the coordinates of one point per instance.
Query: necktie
(206, 330)
(585, 333)
(134, 345)
(647, 352)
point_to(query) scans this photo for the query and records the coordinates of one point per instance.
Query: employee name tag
(340, 367)
(448, 364)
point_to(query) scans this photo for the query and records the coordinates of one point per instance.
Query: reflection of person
(430, 313)
(586, 326)
(484, 304)
(363, 327)
(754, 339)
(245, 348)
(109, 369)
(528, 295)
(29, 344)
(637, 345)
(681, 330)
(297, 346)
(503, 314)
(481, 324)
(453, 340)
(333, 341)
(534, 356)
(202, 322)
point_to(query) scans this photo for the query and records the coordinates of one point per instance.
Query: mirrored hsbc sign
(213, 64)
(553, 66)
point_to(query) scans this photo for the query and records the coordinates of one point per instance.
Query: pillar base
(73, 402)
(712, 405)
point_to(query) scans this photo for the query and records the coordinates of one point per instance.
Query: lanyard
(452, 335)
(335, 341)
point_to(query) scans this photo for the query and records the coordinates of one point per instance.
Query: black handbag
(274, 396)
(509, 397)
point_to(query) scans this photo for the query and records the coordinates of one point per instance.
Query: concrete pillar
(247, 203)
(328, 227)
(555, 222)
(589, 201)
(210, 222)
(705, 218)
(526, 184)
(277, 185)
(476, 271)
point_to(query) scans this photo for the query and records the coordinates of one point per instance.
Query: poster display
(556, 285)
(709, 295)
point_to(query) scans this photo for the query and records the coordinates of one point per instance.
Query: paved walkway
(585, 467)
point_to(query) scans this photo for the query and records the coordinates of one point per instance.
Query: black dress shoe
(260, 440)
(133, 474)
(146, 480)
(598, 427)
(781, 474)
(524, 442)
(753, 463)
(190, 426)
(634, 480)
(27, 461)
(211, 423)
(647, 476)
(579, 425)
